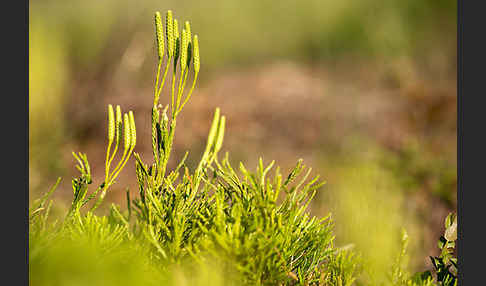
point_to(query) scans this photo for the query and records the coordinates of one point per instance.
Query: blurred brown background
(363, 91)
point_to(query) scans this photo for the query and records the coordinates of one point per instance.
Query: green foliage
(116, 130)
(211, 225)
(254, 226)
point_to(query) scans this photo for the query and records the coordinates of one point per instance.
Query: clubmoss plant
(116, 130)
(253, 225)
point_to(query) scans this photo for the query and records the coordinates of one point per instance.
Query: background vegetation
(364, 92)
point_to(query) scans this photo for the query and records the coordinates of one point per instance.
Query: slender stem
(123, 165)
(119, 163)
(112, 157)
(203, 159)
(157, 80)
(189, 94)
(113, 176)
(181, 89)
(181, 76)
(163, 81)
(172, 94)
(107, 166)
(114, 150)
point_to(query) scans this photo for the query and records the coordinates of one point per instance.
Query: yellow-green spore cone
(111, 124)
(133, 131)
(187, 26)
(159, 35)
(184, 43)
(177, 40)
(127, 135)
(169, 33)
(197, 63)
(118, 123)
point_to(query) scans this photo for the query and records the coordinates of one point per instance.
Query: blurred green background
(363, 91)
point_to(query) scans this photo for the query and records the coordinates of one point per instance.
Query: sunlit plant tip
(214, 129)
(127, 135)
(159, 35)
(133, 131)
(184, 43)
(197, 63)
(111, 124)
(169, 33)
(177, 40)
(118, 123)
(187, 26)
